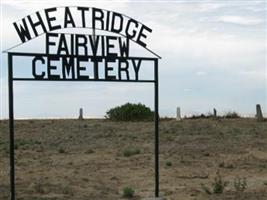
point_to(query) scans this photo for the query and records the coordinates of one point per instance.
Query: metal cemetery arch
(26, 28)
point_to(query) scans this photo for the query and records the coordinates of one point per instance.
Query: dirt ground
(96, 159)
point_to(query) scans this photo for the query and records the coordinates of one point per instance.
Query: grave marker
(81, 114)
(214, 113)
(178, 114)
(259, 115)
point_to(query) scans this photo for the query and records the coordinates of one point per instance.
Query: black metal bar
(11, 128)
(84, 80)
(156, 129)
(80, 56)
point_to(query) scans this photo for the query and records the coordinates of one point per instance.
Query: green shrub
(219, 184)
(61, 150)
(131, 151)
(128, 192)
(232, 115)
(168, 163)
(130, 112)
(201, 116)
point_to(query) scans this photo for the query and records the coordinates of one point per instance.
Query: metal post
(156, 120)
(11, 128)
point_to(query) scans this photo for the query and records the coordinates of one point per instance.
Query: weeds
(128, 192)
(61, 150)
(168, 163)
(231, 115)
(130, 152)
(218, 185)
(240, 184)
(228, 115)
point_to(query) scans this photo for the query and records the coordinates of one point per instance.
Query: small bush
(240, 184)
(168, 163)
(61, 150)
(130, 112)
(128, 192)
(130, 152)
(232, 115)
(201, 116)
(219, 184)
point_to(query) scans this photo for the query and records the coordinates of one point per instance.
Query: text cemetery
(86, 57)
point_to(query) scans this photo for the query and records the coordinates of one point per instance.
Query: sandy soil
(90, 159)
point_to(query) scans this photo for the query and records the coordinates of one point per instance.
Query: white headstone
(178, 114)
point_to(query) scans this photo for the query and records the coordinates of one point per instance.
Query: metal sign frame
(11, 80)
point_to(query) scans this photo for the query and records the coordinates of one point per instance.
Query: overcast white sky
(213, 56)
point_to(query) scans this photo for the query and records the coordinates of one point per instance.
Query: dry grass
(81, 160)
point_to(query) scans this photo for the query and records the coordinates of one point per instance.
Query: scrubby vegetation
(95, 159)
(128, 192)
(168, 163)
(218, 185)
(232, 115)
(130, 151)
(228, 115)
(130, 112)
(240, 184)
